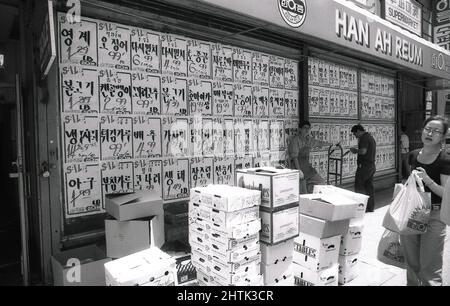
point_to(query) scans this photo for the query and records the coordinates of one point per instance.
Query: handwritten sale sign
(79, 89)
(81, 138)
(148, 175)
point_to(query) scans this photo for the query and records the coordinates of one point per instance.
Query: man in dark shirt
(366, 164)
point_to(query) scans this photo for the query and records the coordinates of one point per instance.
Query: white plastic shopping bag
(445, 206)
(389, 249)
(409, 212)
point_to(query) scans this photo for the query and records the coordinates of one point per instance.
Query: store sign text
(352, 29)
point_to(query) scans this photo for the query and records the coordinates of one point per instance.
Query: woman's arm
(434, 187)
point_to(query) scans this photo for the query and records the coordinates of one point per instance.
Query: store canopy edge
(341, 23)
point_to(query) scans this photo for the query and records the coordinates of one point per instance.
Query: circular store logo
(293, 11)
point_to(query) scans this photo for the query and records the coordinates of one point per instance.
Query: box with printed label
(280, 224)
(284, 280)
(230, 219)
(322, 228)
(274, 272)
(271, 254)
(245, 279)
(150, 267)
(278, 186)
(306, 277)
(237, 255)
(327, 207)
(128, 237)
(352, 241)
(222, 244)
(199, 211)
(201, 261)
(360, 198)
(230, 198)
(239, 231)
(233, 271)
(91, 260)
(348, 268)
(316, 253)
(129, 206)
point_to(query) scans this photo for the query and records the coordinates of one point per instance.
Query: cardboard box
(352, 241)
(327, 207)
(236, 272)
(225, 197)
(280, 224)
(285, 280)
(278, 186)
(306, 277)
(150, 267)
(129, 206)
(348, 268)
(199, 211)
(322, 228)
(128, 237)
(316, 253)
(230, 219)
(245, 279)
(360, 198)
(224, 244)
(274, 273)
(234, 256)
(89, 272)
(185, 270)
(237, 232)
(201, 261)
(272, 254)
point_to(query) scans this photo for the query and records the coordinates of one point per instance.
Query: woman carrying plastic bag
(409, 212)
(423, 253)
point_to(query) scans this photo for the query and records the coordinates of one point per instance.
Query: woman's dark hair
(442, 119)
(303, 123)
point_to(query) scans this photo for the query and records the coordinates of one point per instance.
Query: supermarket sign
(405, 13)
(343, 24)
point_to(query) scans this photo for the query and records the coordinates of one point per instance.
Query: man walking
(366, 164)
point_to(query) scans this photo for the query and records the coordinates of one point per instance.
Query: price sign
(262, 159)
(364, 82)
(334, 75)
(222, 62)
(176, 179)
(243, 162)
(223, 98)
(343, 76)
(223, 170)
(324, 77)
(353, 105)
(146, 94)
(115, 91)
(371, 82)
(260, 69)
(116, 137)
(199, 59)
(201, 171)
(196, 136)
(83, 194)
(148, 175)
(276, 135)
(173, 92)
(243, 137)
(145, 49)
(173, 55)
(242, 64)
(81, 138)
(276, 71)
(200, 97)
(276, 102)
(229, 136)
(77, 41)
(291, 74)
(377, 82)
(353, 79)
(291, 103)
(113, 45)
(218, 141)
(243, 100)
(175, 136)
(324, 105)
(117, 177)
(146, 137)
(79, 89)
(207, 137)
(384, 86)
(260, 102)
(290, 131)
(313, 101)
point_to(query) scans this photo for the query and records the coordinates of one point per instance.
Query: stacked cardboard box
(224, 227)
(136, 223)
(150, 267)
(351, 241)
(279, 216)
(324, 219)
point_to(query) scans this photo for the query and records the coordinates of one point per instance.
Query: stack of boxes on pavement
(330, 237)
(279, 213)
(224, 227)
(136, 223)
(351, 241)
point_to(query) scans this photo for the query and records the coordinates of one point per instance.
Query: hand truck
(337, 162)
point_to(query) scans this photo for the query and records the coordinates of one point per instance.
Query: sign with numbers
(224, 170)
(199, 59)
(173, 55)
(223, 94)
(145, 50)
(260, 69)
(201, 171)
(200, 97)
(146, 137)
(175, 178)
(81, 138)
(116, 137)
(113, 43)
(79, 89)
(148, 175)
(146, 94)
(174, 96)
(222, 62)
(175, 136)
(115, 91)
(117, 177)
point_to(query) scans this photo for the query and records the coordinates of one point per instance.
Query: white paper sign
(224, 171)
(83, 194)
(116, 137)
(291, 103)
(276, 72)
(222, 62)
(117, 177)
(81, 138)
(260, 102)
(207, 137)
(276, 102)
(115, 91)
(79, 89)
(114, 45)
(260, 69)
(175, 136)
(145, 51)
(200, 97)
(291, 77)
(146, 94)
(176, 179)
(146, 137)
(242, 65)
(199, 59)
(242, 100)
(201, 171)
(174, 96)
(148, 175)
(173, 55)
(223, 98)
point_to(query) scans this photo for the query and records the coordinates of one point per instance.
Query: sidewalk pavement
(372, 272)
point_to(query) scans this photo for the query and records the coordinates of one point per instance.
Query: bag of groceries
(389, 249)
(409, 212)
